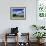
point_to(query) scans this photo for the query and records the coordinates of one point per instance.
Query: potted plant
(39, 35)
(42, 27)
(38, 27)
(35, 26)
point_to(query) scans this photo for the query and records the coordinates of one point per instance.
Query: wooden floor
(13, 44)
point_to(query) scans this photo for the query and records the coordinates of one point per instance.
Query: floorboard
(13, 44)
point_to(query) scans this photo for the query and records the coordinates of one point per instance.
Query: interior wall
(23, 25)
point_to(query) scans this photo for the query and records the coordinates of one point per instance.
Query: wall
(24, 25)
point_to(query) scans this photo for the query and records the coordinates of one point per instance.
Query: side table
(9, 34)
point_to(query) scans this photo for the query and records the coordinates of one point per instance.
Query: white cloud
(19, 12)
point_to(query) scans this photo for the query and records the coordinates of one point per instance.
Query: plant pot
(38, 40)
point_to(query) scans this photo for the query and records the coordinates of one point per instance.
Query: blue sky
(17, 10)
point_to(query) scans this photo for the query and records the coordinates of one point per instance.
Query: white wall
(24, 25)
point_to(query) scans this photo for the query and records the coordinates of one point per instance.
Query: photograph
(18, 13)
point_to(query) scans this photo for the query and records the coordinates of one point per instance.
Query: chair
(26, 37)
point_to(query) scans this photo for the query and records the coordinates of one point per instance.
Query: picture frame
(17, 13)
(41, 12)
(41, 8)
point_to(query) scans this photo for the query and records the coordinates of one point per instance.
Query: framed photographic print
(41, 8)
(18, 13)
(41, 12)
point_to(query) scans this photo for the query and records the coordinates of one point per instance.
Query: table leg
(5, 40)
